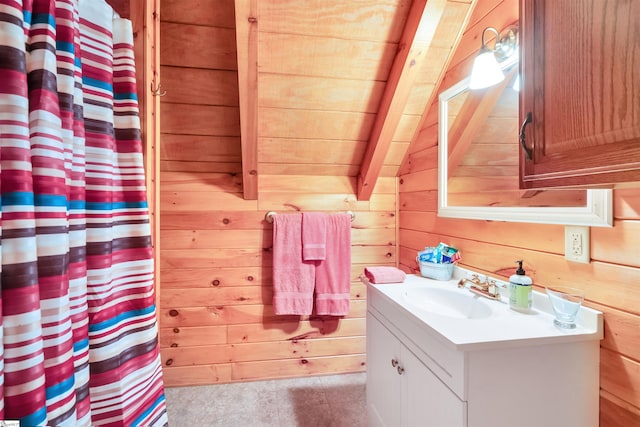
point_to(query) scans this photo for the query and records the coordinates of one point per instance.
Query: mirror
(478, 163)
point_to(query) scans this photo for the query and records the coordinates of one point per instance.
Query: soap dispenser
(520, 289)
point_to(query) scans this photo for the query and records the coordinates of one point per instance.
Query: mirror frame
(598, 211)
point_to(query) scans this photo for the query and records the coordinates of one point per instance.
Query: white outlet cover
(583, 255)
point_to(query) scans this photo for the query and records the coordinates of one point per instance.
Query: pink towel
(384, 274)
(292, 277)
(314, 226)
(333, 275)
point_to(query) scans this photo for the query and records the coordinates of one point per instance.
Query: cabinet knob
(394, 362)
(527, 151)
(400, 370)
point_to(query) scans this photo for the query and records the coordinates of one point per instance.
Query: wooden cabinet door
(580, 69)
(383, 380)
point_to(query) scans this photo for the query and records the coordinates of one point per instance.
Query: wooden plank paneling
(186, 181)
(179, 337)
(313, 132)
(274, 350)
(200, 148)
(217, 267)
(194, 166)
(310, 124)
(216, 276)
(617, 413)
(188, 119)
(620, 331)
(626, 203)
(199, 12)
(233, 295)
(208, 239)
(184, 317)
(294, 367)
(200, 86)
(315, 169)
(292, 184)
(288, 202)
(212, 220)
(217, 295)
(197, 46)
(325, 57)
(197, 375)
(203, 201)
(339, 20)
(232, 276)
(319, 93)
(204, 258)
(620, 376)
(296, 330)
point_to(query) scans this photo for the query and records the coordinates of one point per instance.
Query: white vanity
(441, 356)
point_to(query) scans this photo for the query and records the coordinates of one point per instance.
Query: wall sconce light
(486, 70)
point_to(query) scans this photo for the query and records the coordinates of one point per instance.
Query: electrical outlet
(576, 244)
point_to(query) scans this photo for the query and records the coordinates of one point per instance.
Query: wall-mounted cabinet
(581, 88)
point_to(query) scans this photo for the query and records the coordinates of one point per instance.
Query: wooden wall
(216, 319)
(611, 280)
(200, 121)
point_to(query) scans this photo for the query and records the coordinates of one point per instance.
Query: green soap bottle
(520, 289)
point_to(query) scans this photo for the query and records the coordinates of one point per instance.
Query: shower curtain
(79, 341)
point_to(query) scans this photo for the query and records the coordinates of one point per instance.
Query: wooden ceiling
(329, 87)
(314, 87)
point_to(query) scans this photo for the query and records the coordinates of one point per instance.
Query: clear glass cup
(566, 302)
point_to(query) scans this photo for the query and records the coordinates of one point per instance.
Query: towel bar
(269, 216)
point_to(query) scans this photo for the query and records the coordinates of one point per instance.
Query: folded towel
(293, 279)
(333, 275)
(314, 226)
(384, 274)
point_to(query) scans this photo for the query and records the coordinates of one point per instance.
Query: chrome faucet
(487, 288)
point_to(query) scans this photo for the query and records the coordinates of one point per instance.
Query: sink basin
(447, 302)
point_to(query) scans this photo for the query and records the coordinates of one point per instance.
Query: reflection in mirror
(479, 163)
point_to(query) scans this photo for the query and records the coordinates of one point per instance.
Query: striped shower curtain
(78, 339)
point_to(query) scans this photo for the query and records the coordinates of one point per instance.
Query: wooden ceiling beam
(247, 52)
(424, 17)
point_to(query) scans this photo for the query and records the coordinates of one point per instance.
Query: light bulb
(486, 71)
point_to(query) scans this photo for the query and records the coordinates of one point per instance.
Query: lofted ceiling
(314, 87)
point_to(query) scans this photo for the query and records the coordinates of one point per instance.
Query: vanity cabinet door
(401, 390)
(428, 402)
(581, 89)
(383, 380)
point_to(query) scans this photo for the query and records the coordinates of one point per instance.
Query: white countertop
(497, 326)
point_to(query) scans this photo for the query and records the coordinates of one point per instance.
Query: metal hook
(156, 91)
